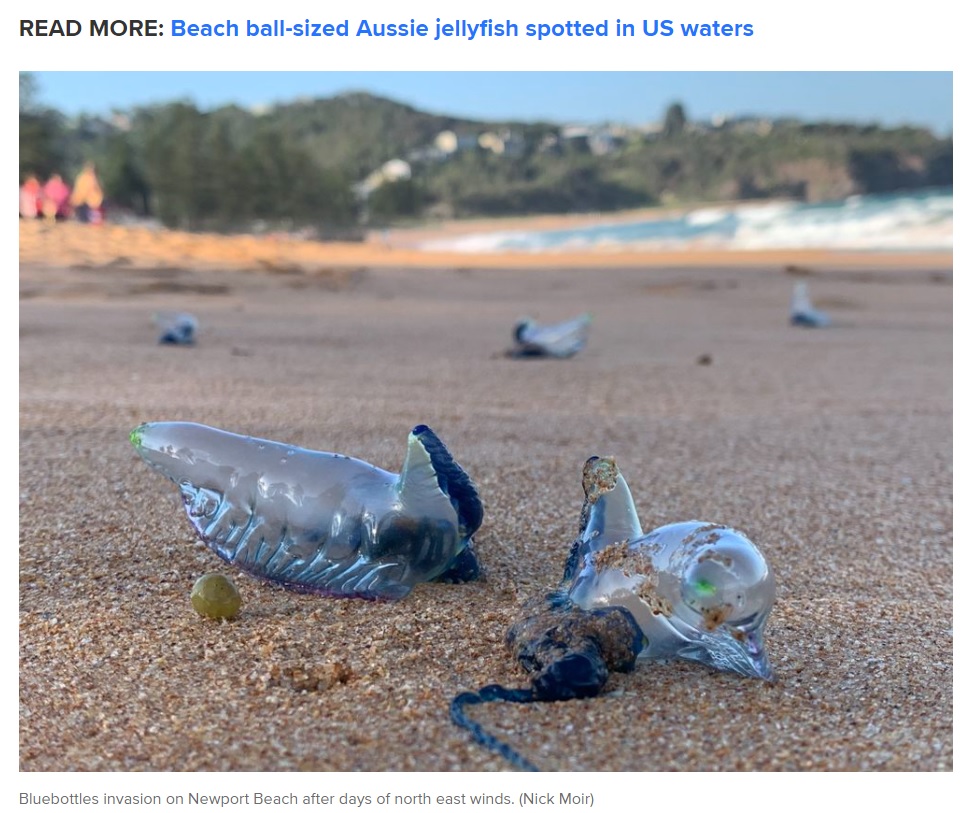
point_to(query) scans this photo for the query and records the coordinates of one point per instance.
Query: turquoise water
(916, 221)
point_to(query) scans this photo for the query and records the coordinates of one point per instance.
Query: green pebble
(216, 596)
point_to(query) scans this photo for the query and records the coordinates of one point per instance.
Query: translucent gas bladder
(699, 591)
(318, 521)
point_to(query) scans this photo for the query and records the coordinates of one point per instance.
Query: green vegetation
(41, 130)
(312, 163)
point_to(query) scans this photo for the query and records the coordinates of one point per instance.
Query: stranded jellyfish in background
(699, 591)
(318, 521)
(176, 328)
(801, 312)
(561, 340)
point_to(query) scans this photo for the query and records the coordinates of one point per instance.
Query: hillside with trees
(333, 164)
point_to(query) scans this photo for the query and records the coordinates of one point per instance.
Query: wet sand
(832, 449)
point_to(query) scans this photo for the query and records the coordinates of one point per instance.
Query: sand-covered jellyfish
(699, 591)
(694, 590)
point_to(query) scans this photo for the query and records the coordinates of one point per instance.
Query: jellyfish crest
(802, 311)
(521, 329)
(611, 515)
(801, 303)
(430, 476)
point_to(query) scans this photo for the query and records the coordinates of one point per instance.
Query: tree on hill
(403, 198)
(674, 120)
(41, 131)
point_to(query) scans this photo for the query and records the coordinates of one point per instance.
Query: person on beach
(30, 194)
(56, 198)
(88, 197)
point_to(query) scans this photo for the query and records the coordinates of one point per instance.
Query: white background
(818, 35)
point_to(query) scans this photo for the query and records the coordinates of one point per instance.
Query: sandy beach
(832, 449)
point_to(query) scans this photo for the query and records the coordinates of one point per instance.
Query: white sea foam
(706, 217)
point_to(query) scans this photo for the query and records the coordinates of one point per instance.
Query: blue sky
(886, 98)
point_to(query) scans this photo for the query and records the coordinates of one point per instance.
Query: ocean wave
(898, 222)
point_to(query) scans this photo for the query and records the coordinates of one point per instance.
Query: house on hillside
(747, 125)
(506, 143)
(604, 140)
(451, 143)
(392, 171)
(575, 137)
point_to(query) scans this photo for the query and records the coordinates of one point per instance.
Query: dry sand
(832, 449)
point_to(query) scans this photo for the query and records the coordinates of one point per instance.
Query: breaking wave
(921, 221)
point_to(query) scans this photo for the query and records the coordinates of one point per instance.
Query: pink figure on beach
(56, 195)
(30, 194)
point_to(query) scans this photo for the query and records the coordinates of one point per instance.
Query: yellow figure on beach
(87, 199)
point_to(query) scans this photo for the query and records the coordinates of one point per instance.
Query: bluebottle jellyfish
(802, 313)
(317, 521)
(691, 590)
(699, 591)
(176, 328)
(560, 340)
